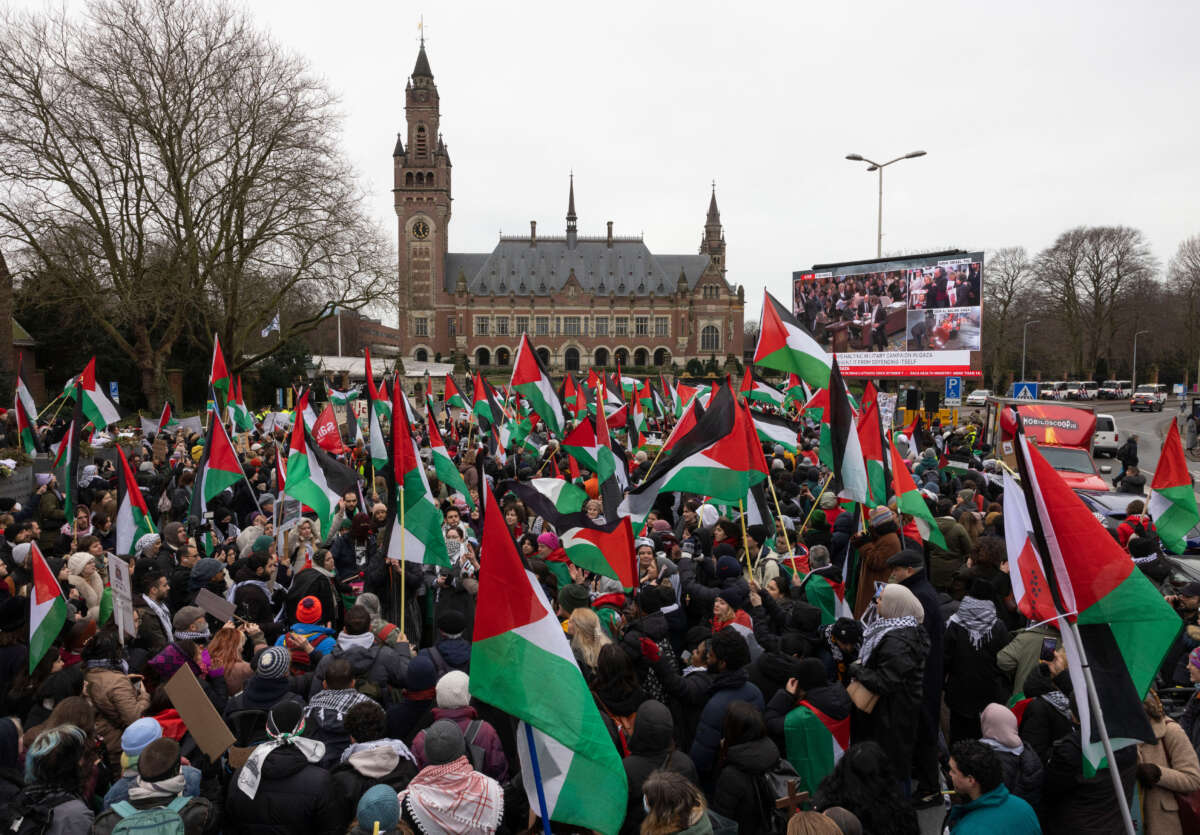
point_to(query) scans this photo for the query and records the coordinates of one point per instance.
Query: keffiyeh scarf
(251, 774)
(454, 798)
(977, 617)
(875, 632)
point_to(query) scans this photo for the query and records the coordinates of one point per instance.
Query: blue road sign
(113, 393)
(1025, 391)
(954, 391)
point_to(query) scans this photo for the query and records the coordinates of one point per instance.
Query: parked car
(1150, 397)
(1105, 441)
(978, 397)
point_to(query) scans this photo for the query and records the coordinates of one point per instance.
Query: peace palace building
(583, 300)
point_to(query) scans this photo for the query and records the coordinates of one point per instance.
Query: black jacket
(894, 671)
(1074, 803)
(1023, 774)
(973, 680)
(293, 796)
(686, 697)
(738, 795)
(832, 700)
(1043, 723)
(652, 746)
(383, 666)
(935, 628)
(654, 627)
(727, 687)
(349, 785)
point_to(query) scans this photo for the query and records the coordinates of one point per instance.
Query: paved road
(1150, 427)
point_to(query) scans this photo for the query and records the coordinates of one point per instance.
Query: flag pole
(1098, 712)
(537, 779)
(779, 514)
(745, 544)
(403, 573)
(48, 405)
(816, 499)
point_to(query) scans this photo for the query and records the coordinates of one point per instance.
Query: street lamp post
(1024, 336)
(879, 166)
(1135, 336)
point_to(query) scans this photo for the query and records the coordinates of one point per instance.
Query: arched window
(483, 357)
(710, 338)
(429, 179)
(420, 178)
(502, 357)
(662, 357)
(544, 353)
(571, 359)
(601, 358)
(408, 179)
(641, 357)
(622, 357)
(421, 355)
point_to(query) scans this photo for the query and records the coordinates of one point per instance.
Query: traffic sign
(113, 393)
(1025, 391)
(953, 391)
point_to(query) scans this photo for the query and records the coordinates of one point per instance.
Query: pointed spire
(571, 218)
(398, 151)
(421, 70)
(714, 216)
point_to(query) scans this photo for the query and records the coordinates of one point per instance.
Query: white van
(1054, 391)
(1105, 440)
(1115, 389)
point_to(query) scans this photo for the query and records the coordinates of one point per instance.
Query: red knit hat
(308, 610)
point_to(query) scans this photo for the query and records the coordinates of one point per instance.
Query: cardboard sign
(122, 596)
(202, 720)
(215, 605)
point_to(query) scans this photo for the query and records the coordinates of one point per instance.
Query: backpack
(474, 752)
(31, 816)
(161, 820)
(771, 786)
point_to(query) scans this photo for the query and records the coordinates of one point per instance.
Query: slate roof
(627, 268)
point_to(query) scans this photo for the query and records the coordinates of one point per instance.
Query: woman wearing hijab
(891, 665)
(974, 635)
(1023, 773)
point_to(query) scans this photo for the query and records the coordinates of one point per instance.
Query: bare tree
(1183, 282)
(1006, 293)
(178, 172)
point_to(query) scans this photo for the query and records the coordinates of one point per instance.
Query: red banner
(326, 433)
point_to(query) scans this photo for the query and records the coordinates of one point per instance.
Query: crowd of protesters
(702, 673)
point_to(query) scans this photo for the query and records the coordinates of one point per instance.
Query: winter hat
(708, 515)
(262, 545)
(273, 662)
(643, 541)
(444, 743)
(727, 565)
(79, 561)
(846, 821)
(454, 690)
(378, 805)
(828, 501)
(735, 596)
(421, 674)
(549, 539)
(880, 516)
(811, 674)
(42, 479)
(452, 623)
(140, 734)
(185, 617)
(146, 540)
(205, 569)
(573, 596)
(649, 600)
(758, 533)
(661, 526)
(805, 619)
(370, 602)
(308, 610)
(159, 761)
(285, 717)
(846, 630)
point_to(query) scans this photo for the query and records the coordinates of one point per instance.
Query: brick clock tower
(422, 201)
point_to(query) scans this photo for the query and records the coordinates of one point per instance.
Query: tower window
(422, 143)
(408, 179)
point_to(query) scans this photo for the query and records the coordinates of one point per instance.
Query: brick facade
(584, 300)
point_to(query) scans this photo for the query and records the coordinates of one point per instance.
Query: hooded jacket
(831, 699)
(651, 747)
(370, 764)
(118, 705)
(293, 796)
(383, 666)
(735, 795)
(727, 687)
(495, 763)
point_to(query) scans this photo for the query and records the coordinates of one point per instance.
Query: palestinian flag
(375, 416)
(308, 416)
(521, 658)
(452, 397)
(573, 396)
(414, 526)
(815, 743)
(218, 378)
(315, 478)
(606, 550)
(66, 461)
(485, 405)
(756, 389)
(550, 498)
(133, 517)
(776, 430)
(25, 409)
(47, 608)
(167, 419)
(447, 473)
(1030, 589)
(785, 345)
(96, 406)
(1172, 496)
(909, 499)
(685, 424)
(1125, 625)
(242, 420)
(342, 398)
(218, 470)
(796, 391)
(580, 444)
(870, 439)
(531, 379)
(720, 458)
(606, 465)
(826, 594)
(848, 466)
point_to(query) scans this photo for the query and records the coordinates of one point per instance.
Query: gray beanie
(444, 743)
(370, 602)
(273, 662)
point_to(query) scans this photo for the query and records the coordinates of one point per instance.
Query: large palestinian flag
(521, 659)
(550, 498)
(785, 345)
(414, 526)
(485, 404)
(604, 549)
(447, 473)
(531, 379)
(815, 743)
(870, 440)
(26, 410)
(580, 444)
(96, 406)
(452, 397)
(826, 594)
(219, 468)
(774, 430)
(133, 517)
(1172, 496)
(1125, 624)
(909, 499)
(315, 478)
(758, 390)
(848, 466)
(47, 608)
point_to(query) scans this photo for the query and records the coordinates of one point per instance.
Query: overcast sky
(1036, 117)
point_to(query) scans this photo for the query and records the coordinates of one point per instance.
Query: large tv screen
(917, 316)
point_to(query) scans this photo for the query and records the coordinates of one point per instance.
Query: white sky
(1036, 117)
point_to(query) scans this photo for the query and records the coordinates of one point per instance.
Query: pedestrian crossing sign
(1025, 391)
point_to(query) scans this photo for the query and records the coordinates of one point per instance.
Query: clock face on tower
(420, 230)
